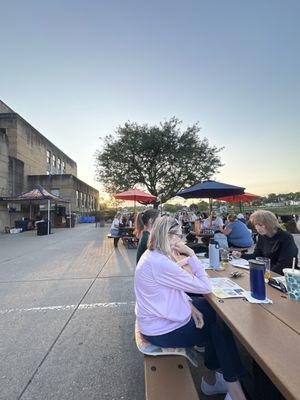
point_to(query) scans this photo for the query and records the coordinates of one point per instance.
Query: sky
(76, 70)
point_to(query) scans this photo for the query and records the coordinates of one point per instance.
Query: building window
(63, 167)
(53, 160)
(58, 164)
(48, 157)
(77, 198)
(3, 131)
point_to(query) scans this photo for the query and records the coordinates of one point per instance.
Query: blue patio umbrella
(210, 190)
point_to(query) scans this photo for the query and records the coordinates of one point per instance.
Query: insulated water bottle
(214, 254)
(257, 280)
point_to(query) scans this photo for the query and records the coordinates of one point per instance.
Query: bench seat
(167, 373)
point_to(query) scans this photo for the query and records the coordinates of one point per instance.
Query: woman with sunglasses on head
(272, 242)
(168, 317)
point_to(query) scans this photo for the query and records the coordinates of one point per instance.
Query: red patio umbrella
(239, 198)
(136, 195)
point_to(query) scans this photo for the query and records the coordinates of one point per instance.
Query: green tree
(161, 159)
(172, 208)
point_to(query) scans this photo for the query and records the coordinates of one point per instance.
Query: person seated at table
(213, 222)
(168, 317)
(114, 228)
(238, 235)
(143, 224)
(184, 220)
(272, 242)
(191, 237)
(124, 221)
(241, 218)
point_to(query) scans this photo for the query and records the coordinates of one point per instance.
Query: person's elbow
(205, 285)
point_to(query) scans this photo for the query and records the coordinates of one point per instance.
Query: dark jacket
(280, 248)
(142, 247)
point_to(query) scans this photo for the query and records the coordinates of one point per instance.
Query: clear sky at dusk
(77, 69)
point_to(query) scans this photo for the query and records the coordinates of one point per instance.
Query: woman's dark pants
(220, 348)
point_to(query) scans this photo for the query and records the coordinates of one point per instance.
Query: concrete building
(27, 157)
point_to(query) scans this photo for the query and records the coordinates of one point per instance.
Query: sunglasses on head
(277, 285)
(175, 223)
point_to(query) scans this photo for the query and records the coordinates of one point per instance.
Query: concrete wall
(67, 186)
(32, 149)
(4, 217)
(3, 164)
(25, 146)
(4, 108)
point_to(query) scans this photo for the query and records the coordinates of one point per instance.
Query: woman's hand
(197, 317)
(236, 254)
(182, 248)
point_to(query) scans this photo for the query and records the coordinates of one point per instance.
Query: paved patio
(67, 317)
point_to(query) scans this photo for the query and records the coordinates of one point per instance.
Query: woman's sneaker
(219, 387)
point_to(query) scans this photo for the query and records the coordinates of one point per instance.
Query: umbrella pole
(30, 210)
(210, 205)
(241, 206)
(48, 224)
(134, 206)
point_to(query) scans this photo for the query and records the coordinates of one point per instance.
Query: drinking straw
(294, 262)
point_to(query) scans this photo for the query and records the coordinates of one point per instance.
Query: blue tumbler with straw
(257, 279)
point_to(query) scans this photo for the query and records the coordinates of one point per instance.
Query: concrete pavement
(67, 317)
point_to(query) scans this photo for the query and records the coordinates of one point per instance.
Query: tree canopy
(162, 159)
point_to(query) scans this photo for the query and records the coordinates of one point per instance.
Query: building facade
(27, 157)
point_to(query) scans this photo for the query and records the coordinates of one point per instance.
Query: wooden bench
(115, 237)
(167, 373)
(168, 378)
(130, 242)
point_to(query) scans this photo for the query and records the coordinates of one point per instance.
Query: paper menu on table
(239, 262)
(224, 288)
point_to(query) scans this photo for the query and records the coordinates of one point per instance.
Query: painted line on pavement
(67, 307)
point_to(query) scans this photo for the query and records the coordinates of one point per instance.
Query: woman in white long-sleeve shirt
(168, 317)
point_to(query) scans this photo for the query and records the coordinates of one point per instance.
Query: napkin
(253, 300)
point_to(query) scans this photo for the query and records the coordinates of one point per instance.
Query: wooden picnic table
(269, 332)
(128, 230)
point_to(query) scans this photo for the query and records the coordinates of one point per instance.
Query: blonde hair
(266, 218)
(159, 236)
